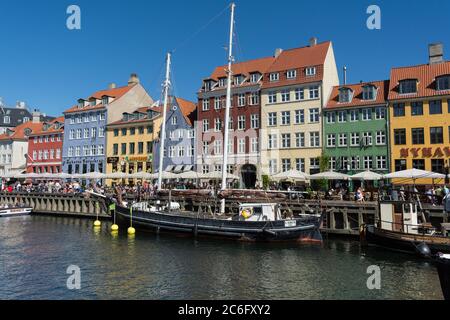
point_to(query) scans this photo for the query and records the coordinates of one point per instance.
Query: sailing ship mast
(163, 129)
(227, 110)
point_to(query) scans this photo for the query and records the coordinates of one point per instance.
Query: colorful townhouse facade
(419, 112)
(84, 146)
(45, 147)
(130, 142)
(180, 151)
(355, 122)
(243, 147)
(295, 89)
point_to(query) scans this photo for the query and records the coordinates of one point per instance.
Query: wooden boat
(255, 222)
(443, 267)
(14, 211)
(401, 227)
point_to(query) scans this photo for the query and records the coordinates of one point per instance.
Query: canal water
(36, 251)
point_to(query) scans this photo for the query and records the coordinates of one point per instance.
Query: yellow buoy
(97, 223)
(114, 227)
(131, 231)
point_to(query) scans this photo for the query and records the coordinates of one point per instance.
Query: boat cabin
(259, 212)
(400, 216)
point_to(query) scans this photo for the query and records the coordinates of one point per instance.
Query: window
(205, 125)
(380, 113)
(314, 139)
(205, 147)
(437, 165)
(190, 151)
(123, 148)
(342, 139)
(101, 150)
(367, 139)
(132, 147)
(6, 119)
(70, 152)
(34, 155)
(285, 118)
(408, 86)
(86, 150)
(254, 120)
(217, 103)
(72, 120)
(115, 149)
(400, 136)
(78, 133)
(443, 83)
(237, 80)
(380, 138)
(291, 74)
(300, 139)
(241, 100)
(400, 165)
(314, 115)
(217, 124)
(436, 135)
(254, 77)
(254, 145)
(150, 129)
(285, 96)
(299, 94)
(354, 115)
(205, 104)
(436, 107)
(86, 118)
(93, 150)
(241, 122)
(230, 146)
(345, 95)
(368, 162)
(332, 163)
(314, 92)
(366, 114)
(331, 117)
(285, 165)
(331, 140)
(218, 168)
(101, 132)
(79, 119)
(180, 151)
(399, 109)
(86, 133)
(354, 139)
(124, 132)
(311, 71)
(299, 116)
(102, 116)
(417, 108)
(52, 154)
(116, 132)
(273, 166)
(285, 140)
(272, 141)
(342, 116)
(222, 82)
(174, 120)
(369, 92)
(418, 164)
(205, 169)
(77, 151)
(254, 99)
(418, 136)
(71, 135)
(272, 97)
(241, 146)
(274, 77)
(300, 164)
(172, 152)
(314, 165)
(381, 162)
(93, 132)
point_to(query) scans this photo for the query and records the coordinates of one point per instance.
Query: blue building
(85, 125)
(180, 134)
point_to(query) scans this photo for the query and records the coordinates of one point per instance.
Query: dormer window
(274, 77)
(408, 86)
(81, 103)
(105, 100)
(222, 82)
(238, 80)
(93, 102)
(369, 92)
(207, 85)
(27, 131)
(311, 71)
(291, 74)
(345, 95)
(443, 83)
(254, 77)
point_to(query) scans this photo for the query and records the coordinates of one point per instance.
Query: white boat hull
(15, 212)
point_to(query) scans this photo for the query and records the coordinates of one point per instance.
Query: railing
(409, 227)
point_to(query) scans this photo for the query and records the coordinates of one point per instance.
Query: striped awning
(178, 169)
(169, 168)
(188, 168)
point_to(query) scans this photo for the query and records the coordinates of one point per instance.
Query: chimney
(112, 85)
(133, 79)
(278, 51)
(345, 75)
(436, 53)
(36, 116)
(313, 42)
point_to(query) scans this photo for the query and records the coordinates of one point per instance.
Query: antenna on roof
(345, 75)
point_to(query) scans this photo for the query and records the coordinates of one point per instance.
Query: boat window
(257, 210)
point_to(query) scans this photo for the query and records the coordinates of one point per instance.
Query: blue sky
(50, 67)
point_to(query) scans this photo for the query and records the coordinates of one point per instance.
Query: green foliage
(266, 182)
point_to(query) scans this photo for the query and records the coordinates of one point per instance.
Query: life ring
(247, 213)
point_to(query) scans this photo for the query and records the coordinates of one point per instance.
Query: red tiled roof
(114, 93)
(426, 75)
(382, 86)
(19, 131)
(50, 130)
(244, 68)
(188, 109)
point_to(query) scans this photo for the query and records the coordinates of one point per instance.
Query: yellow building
(419, 107)
(130, 142)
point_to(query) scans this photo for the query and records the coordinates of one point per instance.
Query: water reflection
(36, 251)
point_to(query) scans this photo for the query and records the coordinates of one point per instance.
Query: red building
(243, 148)
(45, 147)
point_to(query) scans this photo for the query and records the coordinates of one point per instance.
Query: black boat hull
(305, 229)
(401, 242)
(443, 267)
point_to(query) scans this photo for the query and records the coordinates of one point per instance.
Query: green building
(355, 128)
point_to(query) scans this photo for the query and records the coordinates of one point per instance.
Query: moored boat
(14, 211)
